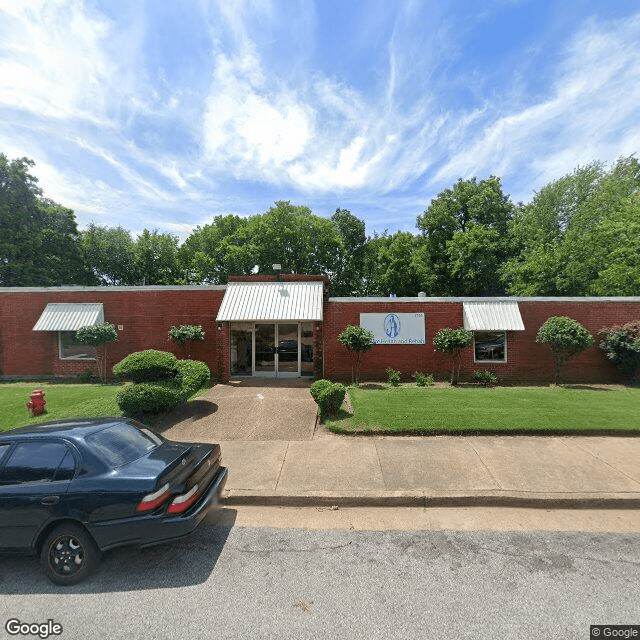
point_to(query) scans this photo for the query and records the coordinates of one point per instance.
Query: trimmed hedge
(318, 387)
(142, 398)
(328, 396)
(192, 376)
(161, 381)
(147, 366)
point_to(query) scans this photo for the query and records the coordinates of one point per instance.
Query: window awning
(263, 301)
(67, 316)
(492, 315)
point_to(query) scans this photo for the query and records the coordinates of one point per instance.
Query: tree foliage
(347, 271)
(466, 242)
(186, 334)
(117, 259)
(357, 341)
(579, 235)
(39, 240)
(566, 338)
(453, 342)
(110, 253)
(621, 344)
(156, 259)
(98, 335)
(392, 265)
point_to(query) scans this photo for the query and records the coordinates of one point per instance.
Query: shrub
(565, 337)
(423, 379)
(147, 366)
(393, 376)
(318, 387)
(192, 376)
(357, 340)
(186, 334)
(621, 344)
(331, 399)
(485, 378)
(453, 342)
(139, 399)
(98, 335)
(328, 396)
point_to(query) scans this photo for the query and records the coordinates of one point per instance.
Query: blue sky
(164, 113)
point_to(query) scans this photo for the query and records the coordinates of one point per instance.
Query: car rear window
(121, 444)
(37, 462)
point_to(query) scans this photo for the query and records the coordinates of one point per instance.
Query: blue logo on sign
(392, 326)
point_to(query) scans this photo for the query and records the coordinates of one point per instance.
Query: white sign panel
(395, 328)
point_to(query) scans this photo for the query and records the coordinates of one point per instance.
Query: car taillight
(183, 502)
(155, 499)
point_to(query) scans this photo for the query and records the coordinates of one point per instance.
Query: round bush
(147, 366)
(139, 399)
(330, 400)
(192, 376)
(318, 387)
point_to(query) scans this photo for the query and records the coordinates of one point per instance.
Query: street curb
(530, 500)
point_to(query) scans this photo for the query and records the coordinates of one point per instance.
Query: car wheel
(69, 554)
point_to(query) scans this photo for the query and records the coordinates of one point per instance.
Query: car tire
(69, 554)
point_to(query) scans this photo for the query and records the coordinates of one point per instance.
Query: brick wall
(527, 361)
(145, 313)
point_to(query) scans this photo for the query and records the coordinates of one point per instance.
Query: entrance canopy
(492, 315)
(271, 301)
(67, 316)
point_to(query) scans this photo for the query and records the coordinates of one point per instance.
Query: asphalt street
(244, 582)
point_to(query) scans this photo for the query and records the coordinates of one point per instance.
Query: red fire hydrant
(36, 405)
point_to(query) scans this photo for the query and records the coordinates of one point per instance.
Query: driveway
(246, 409)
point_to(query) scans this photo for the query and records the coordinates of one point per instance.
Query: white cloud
(590, 116)
(52, 61)
(248, 125)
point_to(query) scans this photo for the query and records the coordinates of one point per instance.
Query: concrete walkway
(277, 455)
(549, 472)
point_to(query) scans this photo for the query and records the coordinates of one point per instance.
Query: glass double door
(271, 349)
(276, 349)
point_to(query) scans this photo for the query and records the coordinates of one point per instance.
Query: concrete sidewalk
(534, 471)
(278, 455)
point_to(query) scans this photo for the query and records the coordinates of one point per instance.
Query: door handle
(50, 500)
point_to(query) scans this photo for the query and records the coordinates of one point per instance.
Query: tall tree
(211, 253)
(156, 259)
(110, 253)
(465, 229)
(39, 240)
(347, 280)
(296, 238)
(392, 265)
(577, 236)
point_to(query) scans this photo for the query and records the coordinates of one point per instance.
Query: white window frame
(490, 361)
(61, 355)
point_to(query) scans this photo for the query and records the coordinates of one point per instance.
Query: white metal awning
(492, 315)
(67, 316)
(263, 301)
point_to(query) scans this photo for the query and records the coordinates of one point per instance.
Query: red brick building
(259, 326)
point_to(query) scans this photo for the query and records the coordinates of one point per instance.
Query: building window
(69, 349)
(490, 346)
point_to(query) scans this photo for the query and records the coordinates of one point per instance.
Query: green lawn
(408, 408)
(63, 401)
